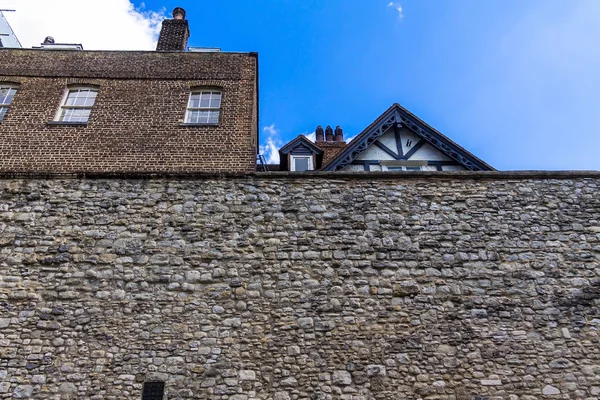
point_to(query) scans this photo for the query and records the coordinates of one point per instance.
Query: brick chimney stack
(320, 134)
(329, 134)
(174, 33)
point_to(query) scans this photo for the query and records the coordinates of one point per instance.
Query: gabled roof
(398, 116)
(298, 141)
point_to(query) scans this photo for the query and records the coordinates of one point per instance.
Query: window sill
(67, 123)
(190, 124)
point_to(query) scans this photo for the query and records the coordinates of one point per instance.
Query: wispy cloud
(272, 144)
(397, 7)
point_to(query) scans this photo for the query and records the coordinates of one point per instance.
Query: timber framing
(398, 117)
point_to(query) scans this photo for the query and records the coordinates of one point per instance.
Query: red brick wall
(135, 123)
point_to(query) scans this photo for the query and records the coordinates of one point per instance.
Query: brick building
(169, 110)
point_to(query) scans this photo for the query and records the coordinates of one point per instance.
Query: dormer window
(204, 107)
(301, 163)
(77, 105)
(7, 92)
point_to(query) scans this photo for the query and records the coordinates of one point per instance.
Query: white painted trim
(293, 163)
(63, 101)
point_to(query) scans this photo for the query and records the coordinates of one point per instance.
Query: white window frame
(293, 159)
(211, 109)
(63, 104)
(6, 106)
(404, 168)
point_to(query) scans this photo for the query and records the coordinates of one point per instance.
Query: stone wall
(318, 287)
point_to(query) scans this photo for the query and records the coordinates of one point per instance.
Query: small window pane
(301, 164)
(205, 101)
(203, 116)
(215, 101)
(81, 97)
(75, 115)
(193, 117)
(413, 168)
(213, 117)
(7, 94)
(194, 100)
(3, 111)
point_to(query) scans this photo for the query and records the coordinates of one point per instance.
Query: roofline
(249, 53)
(354, 143)
(358, 137)
(300, 138)
(312, 175)
(444, 136)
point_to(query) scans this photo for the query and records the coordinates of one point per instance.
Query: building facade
(69, 111)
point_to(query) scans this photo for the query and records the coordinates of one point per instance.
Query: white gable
(374, 153)
(408, 140)
(389, 140)
(429, 153)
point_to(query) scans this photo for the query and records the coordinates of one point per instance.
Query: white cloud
(271, 147)
(398, 8)
(311, 136)
(98, 25)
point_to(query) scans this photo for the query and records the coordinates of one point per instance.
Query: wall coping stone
(380, 176)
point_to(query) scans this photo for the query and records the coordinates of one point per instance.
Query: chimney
(174, 33)
(329, 134)
(339, 134)
(320, 134)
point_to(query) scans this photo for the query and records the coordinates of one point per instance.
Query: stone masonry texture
(300, 288)
(136, 122)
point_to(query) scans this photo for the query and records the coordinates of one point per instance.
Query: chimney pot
(320, 134)
(178, 13)
(329, 134)
(339, 134)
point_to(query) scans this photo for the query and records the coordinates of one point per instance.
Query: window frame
(9, 86)
(189, 109)
(293, 162)
(404, 168)
(63, 104)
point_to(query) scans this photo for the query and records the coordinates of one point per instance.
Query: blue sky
(515, 82)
